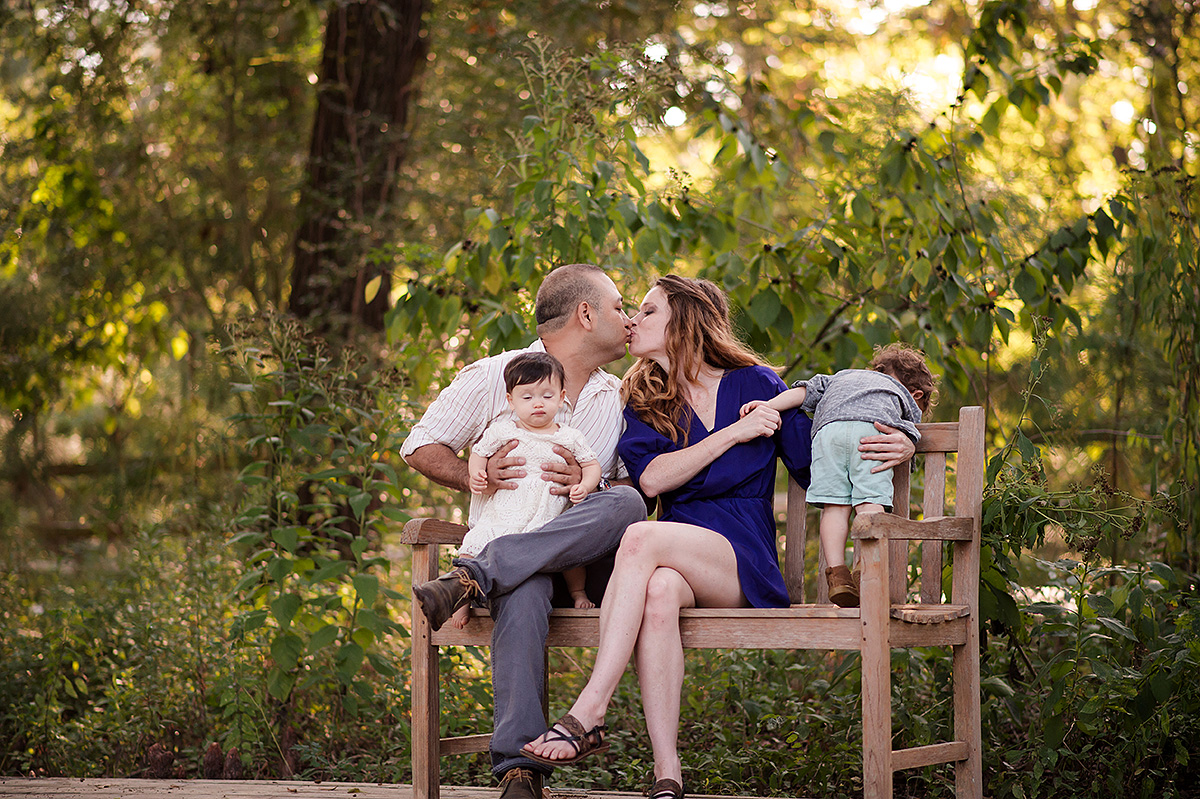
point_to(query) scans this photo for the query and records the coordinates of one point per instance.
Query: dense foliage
(201, 495)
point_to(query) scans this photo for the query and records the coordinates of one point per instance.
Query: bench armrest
(433, 531)
(888, 526)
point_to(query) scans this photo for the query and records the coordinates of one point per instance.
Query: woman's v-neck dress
(734, 494)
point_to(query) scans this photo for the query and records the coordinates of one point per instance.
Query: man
(581, 321)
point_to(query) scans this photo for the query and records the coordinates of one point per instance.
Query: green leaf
(1117, 627)
(326, 474)
(286, 650)
(279, 568)
(764, 308)
(348, 661)
(359, 503)
(288, 537)
(997, 686)
(860, 206)
(381, 665)
(395, 514)
(367, 588)
(1025, 447)
(645, 243)
(249, 622)
(322, 638)
(922, 270)
(280, 683)
(1164, 572)
(284, 608)
(249, 579)
(372, 288)
(247, 537)
(364, 637)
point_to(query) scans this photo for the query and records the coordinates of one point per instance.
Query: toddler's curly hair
(907, 364)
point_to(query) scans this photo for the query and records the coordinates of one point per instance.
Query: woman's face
(649, 327)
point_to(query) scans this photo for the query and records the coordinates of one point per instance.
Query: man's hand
(502, 470)
(564, 474)
(893, 448)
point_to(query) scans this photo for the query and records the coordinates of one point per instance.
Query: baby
(534, 381)
(845, 406)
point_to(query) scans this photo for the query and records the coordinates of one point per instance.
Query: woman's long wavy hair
(699, 332)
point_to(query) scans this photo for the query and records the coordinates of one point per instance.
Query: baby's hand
(578, 493)
(479, 481)
(581, 601)
(460, 617)
(749, 406)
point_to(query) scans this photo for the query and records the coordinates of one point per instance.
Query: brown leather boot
(441, 597)
(521, 783)
(843, 587)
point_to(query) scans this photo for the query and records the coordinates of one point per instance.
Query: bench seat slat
(466, 744)
(798, 627)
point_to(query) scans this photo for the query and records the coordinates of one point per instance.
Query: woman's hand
(749, 406)
(757, 421)
(893, 448)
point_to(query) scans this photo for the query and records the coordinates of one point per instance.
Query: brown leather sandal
(666, 789)
(569, 729)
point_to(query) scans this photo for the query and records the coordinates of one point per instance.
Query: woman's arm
(670, 470)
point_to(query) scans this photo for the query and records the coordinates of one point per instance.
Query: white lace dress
(530, 504)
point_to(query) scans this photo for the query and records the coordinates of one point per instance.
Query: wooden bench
(891, 615)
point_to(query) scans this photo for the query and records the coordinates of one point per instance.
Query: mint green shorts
(840, 476)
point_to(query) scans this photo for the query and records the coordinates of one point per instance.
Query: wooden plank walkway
(70, 787)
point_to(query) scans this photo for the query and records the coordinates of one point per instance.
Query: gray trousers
(514, 572)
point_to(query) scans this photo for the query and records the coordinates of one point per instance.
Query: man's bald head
(561, 292)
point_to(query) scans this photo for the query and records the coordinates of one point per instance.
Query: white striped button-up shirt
(476, 398)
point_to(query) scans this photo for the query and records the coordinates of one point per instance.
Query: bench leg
(876, 671)
(426, 732)
(968, 774)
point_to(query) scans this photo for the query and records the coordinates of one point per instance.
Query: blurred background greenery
(243, 241)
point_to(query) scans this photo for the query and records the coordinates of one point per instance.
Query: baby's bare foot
(460, 618)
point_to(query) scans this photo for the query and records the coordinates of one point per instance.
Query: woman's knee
(639, 541)
(666, 592)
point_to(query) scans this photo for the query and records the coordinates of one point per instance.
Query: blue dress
(734, 494)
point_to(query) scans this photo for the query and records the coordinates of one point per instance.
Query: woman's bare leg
(703, 558)
(660, 668)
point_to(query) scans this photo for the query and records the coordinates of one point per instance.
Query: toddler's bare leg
(835, 527)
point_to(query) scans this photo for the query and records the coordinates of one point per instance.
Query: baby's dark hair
(906, 364)
(530, 367)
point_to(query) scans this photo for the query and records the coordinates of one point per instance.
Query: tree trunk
(374, 51)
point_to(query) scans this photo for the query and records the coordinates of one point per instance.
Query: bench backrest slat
(934, 504)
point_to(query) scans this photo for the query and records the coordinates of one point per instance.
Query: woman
(713, 544)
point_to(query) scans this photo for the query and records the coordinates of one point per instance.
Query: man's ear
(583, 312)
(916, 395)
